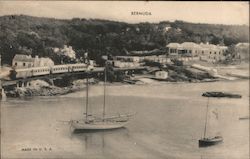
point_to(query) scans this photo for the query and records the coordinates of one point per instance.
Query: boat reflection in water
(98, 142)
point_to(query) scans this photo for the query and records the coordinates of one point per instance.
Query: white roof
(209, 46)
(242, 44)
(175, 45)
(196, 46)
(190, 45)
(23, 58)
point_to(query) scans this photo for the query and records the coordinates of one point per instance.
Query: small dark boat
(244, 118)
(209, 141)
(204, 142)
(221, 95)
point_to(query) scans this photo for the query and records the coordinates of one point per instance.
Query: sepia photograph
(124, 80)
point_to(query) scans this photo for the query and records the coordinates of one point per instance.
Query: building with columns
(207, 52)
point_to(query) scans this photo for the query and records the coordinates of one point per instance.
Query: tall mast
(206, 119)
(87, 96)
(104, 91)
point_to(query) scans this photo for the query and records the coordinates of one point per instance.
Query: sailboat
(209, 141)
(90, 122)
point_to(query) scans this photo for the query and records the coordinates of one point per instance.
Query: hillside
(37, 36)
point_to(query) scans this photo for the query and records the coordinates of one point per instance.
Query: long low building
(206, 52)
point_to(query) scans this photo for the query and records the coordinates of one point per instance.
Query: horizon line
(116, 20)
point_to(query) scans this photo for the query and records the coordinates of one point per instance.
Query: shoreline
(42, 88)
(58, 91)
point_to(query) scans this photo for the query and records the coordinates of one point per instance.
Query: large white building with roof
(23, 61)
(213, 53)
(26, 61)
(207, 52)
(242, 51)
(184, 49)
(173, 48)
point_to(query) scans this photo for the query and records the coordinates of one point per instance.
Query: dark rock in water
(12, 93)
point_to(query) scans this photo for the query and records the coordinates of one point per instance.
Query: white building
(173, 48)
(161, 75)
(129, 58)
(190, 49)
(41, 62)
(206, 52)
(212, 53)
(242, 51)
(23, 61)
(26, 61)
(122, 64)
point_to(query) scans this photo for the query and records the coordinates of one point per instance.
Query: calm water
(169, 123)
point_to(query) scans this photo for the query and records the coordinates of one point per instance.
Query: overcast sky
(201, 12)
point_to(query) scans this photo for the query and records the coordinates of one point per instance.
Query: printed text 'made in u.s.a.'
(141, 13)
(37, 149)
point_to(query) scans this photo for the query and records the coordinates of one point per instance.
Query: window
(210, 52)
(215, 52)
(24, 64)
(15, 63)
(202, 52)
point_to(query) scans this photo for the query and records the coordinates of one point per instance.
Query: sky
(197, 12)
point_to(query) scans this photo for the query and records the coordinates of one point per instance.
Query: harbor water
(169, 122)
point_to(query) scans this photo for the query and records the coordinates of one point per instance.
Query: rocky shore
(42, 88)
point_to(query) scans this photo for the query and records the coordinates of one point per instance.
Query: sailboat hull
(98, 125)
(95, 123)
(204, 142)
